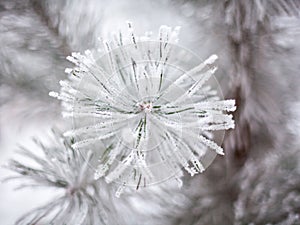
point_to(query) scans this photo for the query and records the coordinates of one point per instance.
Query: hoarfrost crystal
(145, 98)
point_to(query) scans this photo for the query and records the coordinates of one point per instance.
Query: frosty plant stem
(144, 98)
(65, 170)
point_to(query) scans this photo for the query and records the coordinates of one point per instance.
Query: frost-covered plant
(146, 99)
(269, 190)
(65, 170)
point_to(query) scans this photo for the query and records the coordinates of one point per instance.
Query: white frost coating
(53, 94)
(77, 200)
(211, 59)
(131, 89)
(68, 70)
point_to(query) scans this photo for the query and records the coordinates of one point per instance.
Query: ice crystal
(146, 99)
(67, 171)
